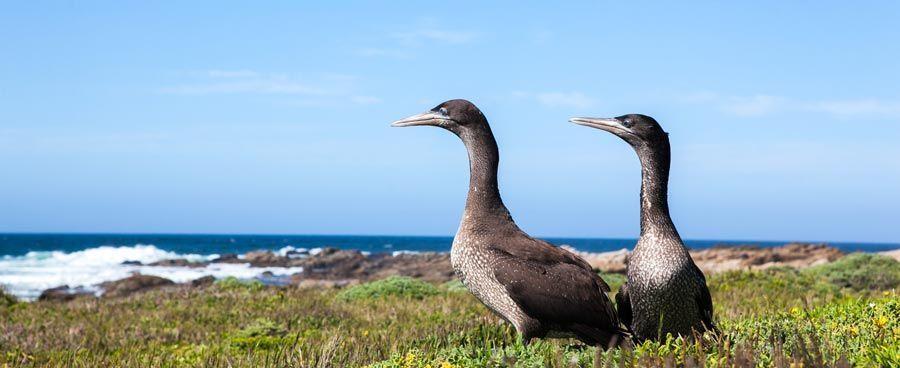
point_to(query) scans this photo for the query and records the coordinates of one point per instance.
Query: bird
(665, 292)
(541, 289)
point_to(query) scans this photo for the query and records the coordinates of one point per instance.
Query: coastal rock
(133, 284)
(796, 255)
(228, 258)
(434, 267)
(265, 259)
(180, 262)
(612, 262)
(328, 284)
(63, 294)
(203, 281)
(895, 254)
(333, 263)
(338, 264)
(726, 258)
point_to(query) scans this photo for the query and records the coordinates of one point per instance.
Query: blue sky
(273, 118)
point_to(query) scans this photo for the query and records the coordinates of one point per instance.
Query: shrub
(745, 293)
(861, 271)
(865, 331)
(234, 283)
(391, 286)
(455, 286)
(614, 280)
(6, 299)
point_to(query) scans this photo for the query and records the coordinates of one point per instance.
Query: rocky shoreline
(332, 267)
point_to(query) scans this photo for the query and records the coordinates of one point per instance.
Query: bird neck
(655, 219)
(483, 199)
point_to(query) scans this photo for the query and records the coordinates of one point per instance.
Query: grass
(774, 317)
(394, 286)
(862, 271)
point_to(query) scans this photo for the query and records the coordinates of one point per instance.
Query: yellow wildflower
(881, 321)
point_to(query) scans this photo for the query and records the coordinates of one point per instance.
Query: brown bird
(543, 290)
(666, 293)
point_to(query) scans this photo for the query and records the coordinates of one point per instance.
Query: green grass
(768, 318)
(6, 300)
(394, 286)
(862, 271)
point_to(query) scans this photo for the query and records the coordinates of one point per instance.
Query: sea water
(31, 263)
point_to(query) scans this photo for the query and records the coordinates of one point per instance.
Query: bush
(6, 299)
(234, 283)
(455, 286)
(865, 332)
(861, 271)
(614, 280)
(391, 286)
(746, 293)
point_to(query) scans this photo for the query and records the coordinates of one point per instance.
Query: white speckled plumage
(543, 290)
(665, 291)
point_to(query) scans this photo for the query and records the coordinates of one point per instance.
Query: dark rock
(181, 262)
(228, 258)
(797, 255)
(333, 263)
(336, 265)
(63, 294)
(133, 284)
(203, 281)
(434, 267)
(265, 259)
(131, 263)
(330, 284)
(300, 253)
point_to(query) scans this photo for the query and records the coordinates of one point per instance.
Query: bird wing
(555, 292)
(704, 301)
(542, 252)
(623, 306)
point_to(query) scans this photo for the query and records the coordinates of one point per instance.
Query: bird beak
(611, 125)
(433, 118)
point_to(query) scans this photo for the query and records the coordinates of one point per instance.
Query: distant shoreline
(92, 271)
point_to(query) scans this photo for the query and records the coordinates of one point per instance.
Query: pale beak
(611, 125)
(433, 118)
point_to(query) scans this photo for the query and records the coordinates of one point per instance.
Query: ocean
(31, 263)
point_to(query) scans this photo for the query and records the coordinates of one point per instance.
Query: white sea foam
(26, 276)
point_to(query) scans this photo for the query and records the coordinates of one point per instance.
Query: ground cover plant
(822, 316)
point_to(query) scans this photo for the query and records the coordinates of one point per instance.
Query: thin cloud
(410, 41)
(231, 73)
(857, 107)
(261, 86)
(764, 104)
(382, 52)
(425, 35)
(753, 106)
(564, 99)
(365, 100)
(325, 89)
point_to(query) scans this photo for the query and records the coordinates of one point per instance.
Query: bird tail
(601, 338)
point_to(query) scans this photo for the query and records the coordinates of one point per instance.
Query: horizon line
(747, 241)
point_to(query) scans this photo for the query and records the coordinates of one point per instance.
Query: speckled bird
(543, 290)
(666, 292)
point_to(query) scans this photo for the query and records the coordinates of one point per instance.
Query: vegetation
(396, 286)
(862, 271)
(768, 318)
(6, 300)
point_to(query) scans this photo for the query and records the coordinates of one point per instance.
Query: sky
(221, 117)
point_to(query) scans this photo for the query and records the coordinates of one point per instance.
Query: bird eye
(443, 111)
